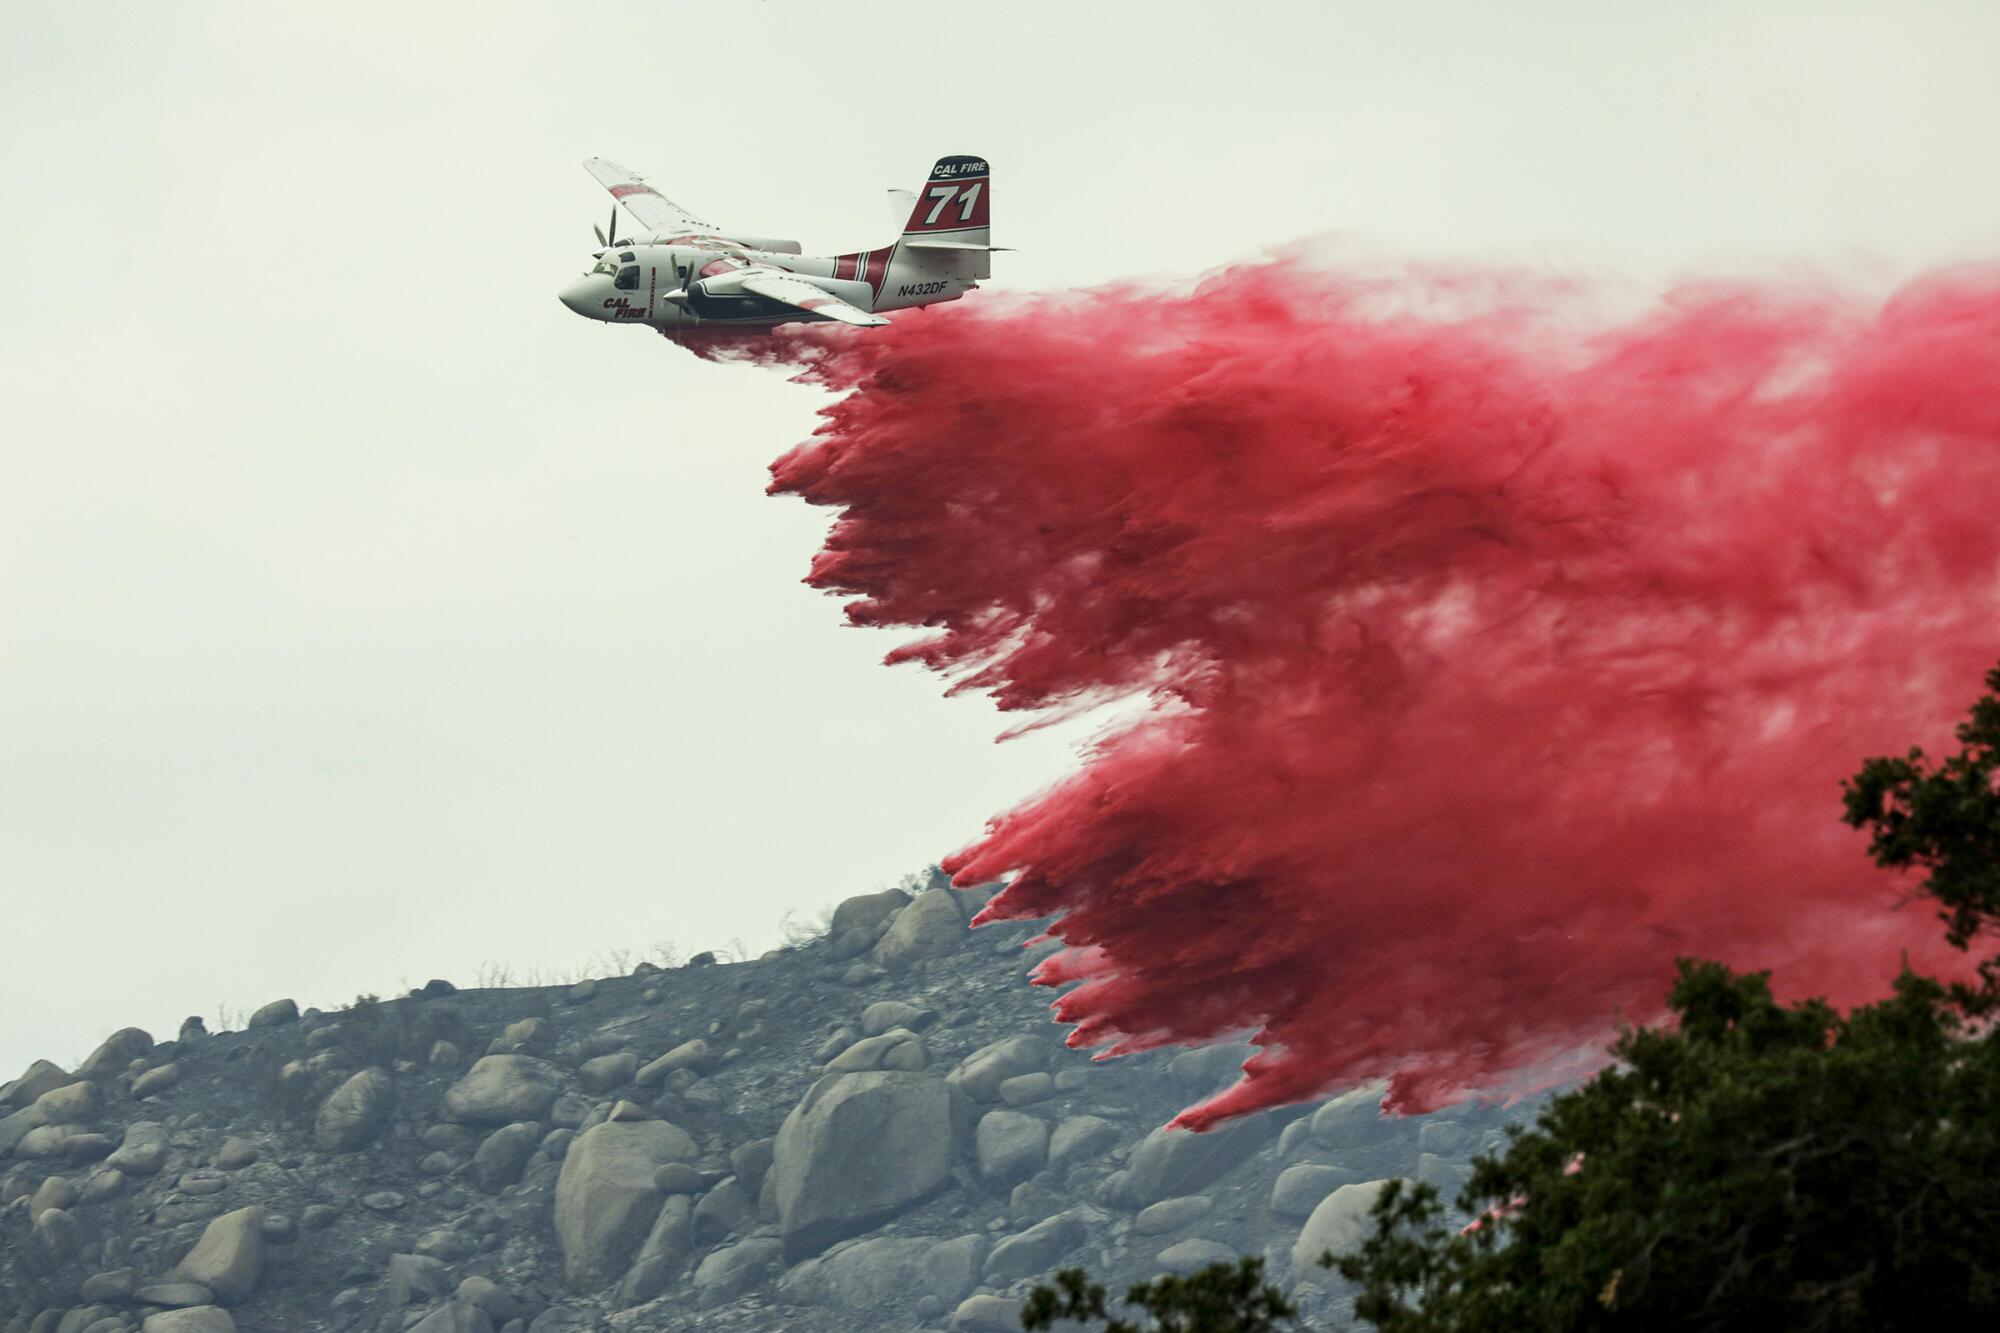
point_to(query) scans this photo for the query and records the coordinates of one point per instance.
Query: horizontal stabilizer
(955, 245)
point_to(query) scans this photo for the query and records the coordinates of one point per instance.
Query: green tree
(1221, 1298)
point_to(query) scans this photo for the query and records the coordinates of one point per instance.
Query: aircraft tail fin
(952, 216)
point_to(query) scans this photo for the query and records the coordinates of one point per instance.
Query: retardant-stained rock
(229, 1257)
(932, 925)
(500, 1089)
(1339, 1224)
(356, 1112)
(857, 1150)
(606, 1199)
(1168, 1163)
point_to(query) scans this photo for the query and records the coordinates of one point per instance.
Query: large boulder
(1300, 1188)
(38, 1078)
(930, 926)
(356, 1112)
(118, 1050)
(857, 1150)
(229, 1257)
(500, 1089)
(1080, 1138)
(1169, 1163)
(692, 1055)
(275, 1014)
(1354, 1119)
(16, 1127)
(1339, 1225)
(606, 1199)
(888, 1271)
(143, 1151)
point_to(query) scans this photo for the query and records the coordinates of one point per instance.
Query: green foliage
(1762, 1166)
(1943, 819)
(1221, 1298)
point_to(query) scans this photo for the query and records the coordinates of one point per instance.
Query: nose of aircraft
(576, 295)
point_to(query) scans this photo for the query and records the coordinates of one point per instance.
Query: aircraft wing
(642, 201)
(796, 292)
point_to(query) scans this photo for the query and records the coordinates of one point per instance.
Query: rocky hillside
(879, 1129)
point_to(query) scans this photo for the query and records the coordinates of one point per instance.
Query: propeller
(605, 234)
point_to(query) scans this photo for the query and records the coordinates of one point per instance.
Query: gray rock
(987, 1314)
(1210, 1068)
(1353, 1119)
(1447, 1177)
(445, 1055)
(663, 1254)
(143, 1151)
(857, 1150)
(416, 1278)
(1168, 1163)
(929, 927)
(194, 1319)
(383, 1201)
(528, 1034)
(117, 1285)
(1339, 1225)
(356, 1112)
(235, 1153)
(489, 1296)
(1081, 1138)
(454, 1317)
(887, 1015)
(751, 1161)
(679, 1178)
(103, 1184)
(1027, 1089)
(59, 1234)
(38, 1078)
(723, 1210)
(318, 1216)
(1037, 1250)
(72, 1104)
(1010, 1146)
(897, 1049)
(503, 1155)
(175, 1295)
(1157, 1219)
(229, 1257)
(887, 1272)
(446, 1245)
(55, 1192)
(1190, 1255)
(980, 1074)
(15, 1128)
(156, 1081)
(1300, 1188)
(691, 1055)
(275, 1014)
(118, 1050)
(866, 912)
(606, 1199)
(500, 1089)
(729, 1272)
(608, 1072)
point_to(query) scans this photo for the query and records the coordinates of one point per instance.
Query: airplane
(684, 276)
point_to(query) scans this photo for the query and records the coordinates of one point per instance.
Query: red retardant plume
(1491, 664)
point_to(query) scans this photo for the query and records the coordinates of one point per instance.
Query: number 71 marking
(944, 193)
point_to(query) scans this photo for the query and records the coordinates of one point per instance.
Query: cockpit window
(604, 266)
(627, 257)
(628, 278)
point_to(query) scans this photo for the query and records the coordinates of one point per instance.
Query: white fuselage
(683, 283)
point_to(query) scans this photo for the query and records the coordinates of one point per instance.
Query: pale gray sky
(366, 616)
